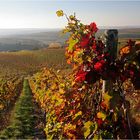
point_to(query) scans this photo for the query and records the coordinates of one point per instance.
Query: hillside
(30, 40)
(124, 33)
(36, 39)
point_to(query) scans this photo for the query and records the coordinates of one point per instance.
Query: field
(24, 63)
(24, 116)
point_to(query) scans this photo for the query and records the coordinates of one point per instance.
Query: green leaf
(72, 43)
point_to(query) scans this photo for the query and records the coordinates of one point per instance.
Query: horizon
(4, 32)
(42, 28)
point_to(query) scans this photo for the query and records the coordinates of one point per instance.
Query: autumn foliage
(75, 106)
(9, 90)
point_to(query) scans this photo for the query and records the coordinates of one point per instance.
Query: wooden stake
(111, 42)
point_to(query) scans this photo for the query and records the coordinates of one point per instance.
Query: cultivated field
(28, 62)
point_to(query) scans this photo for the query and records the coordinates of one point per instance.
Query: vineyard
(24, 63)
(23, 124)
(93, 93)
(9, 92)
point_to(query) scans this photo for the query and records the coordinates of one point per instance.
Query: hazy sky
(42, 13)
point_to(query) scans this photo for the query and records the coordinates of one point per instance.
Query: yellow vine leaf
(71, 17)
(89, 127)
(87, 130)
(106, 101)
(77, 115)
(67, 130)
(61, 91)
(59, 13)
(101, 115)
(107, 97)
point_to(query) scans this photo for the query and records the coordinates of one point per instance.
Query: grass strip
(22, 121)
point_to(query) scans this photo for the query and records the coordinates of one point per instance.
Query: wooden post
(111, 41)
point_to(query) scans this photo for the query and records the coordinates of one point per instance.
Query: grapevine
(75, 106)
(9, 92)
